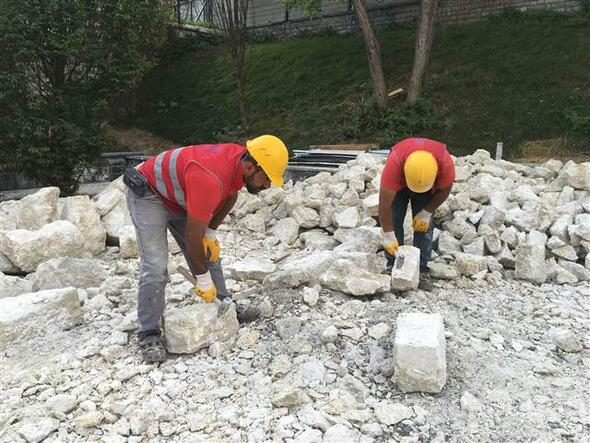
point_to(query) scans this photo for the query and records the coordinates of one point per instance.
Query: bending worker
(421, 172)
(189, 191)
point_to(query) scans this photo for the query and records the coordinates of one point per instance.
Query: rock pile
(335, 349)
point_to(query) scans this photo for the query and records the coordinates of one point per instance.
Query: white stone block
(419, 353)
(405, 274)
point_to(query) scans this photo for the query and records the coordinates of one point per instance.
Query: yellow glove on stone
(205, 288)
(390, 243)
(211, 245)
(421, 221)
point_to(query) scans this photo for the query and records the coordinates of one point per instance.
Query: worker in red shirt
(189, 191)
(421, 172)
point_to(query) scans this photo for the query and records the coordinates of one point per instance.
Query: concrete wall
(271, 15)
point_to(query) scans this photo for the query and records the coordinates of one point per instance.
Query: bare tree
(231, 16)
(424, 39)
(373, 52)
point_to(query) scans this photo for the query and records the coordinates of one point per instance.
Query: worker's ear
(249, 168)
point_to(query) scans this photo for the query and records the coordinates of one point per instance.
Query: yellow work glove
(390, 243)
(421, 221)
(211, 245)
(205, 288)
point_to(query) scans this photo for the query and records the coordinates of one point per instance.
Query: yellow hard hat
(420, 170)
(271, 155)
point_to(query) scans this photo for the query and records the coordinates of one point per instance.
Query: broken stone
(311, 295)
(128, 242)
(82, 212)
(476, 247)
(578, 270)
(371, 205)
(38, 209)
(197, 326)
(567, 252)
(27, 249)
(349, 218)
(65, 272)
(117, 217)
(38, 313)
(39, 429)
(306, 217)
(419, 353)
(530, 259)
(493, 243)
(442, 271)
(448, 244)
(252, 268)
(318, 239)
(286, 230)
(12, 286)
(345, 276)
(469, 265)
(565, 340)
(391, 414)
(405, 274)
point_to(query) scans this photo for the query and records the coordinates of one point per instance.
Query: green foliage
(487, 81)
(64, 63)
(394, 123)
(579, 121)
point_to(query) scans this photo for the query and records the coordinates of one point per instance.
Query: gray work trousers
(151, 219)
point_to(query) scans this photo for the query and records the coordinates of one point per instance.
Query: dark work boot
(152, 348)
(425, 281)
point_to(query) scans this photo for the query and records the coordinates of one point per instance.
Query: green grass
(513, 78)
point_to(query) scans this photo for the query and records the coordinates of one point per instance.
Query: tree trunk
(373, 53)
(422, 51)
(240, 83)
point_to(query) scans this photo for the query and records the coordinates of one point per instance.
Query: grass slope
(513, 78)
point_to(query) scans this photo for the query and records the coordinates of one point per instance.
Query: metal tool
(222, 305)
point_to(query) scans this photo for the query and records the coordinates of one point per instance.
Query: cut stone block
(38, 313)
(197, 326)
(419, 353)
(405, 274)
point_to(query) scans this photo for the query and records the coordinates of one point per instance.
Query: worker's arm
(438, 198)
(195, 230)
(386, 198)
(390, 242)
(220, 215)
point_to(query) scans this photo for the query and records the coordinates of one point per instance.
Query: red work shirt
(393, 178)
(196, 179)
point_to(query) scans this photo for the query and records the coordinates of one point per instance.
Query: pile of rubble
(319, 365)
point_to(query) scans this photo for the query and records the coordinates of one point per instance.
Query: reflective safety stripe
(160, 185)
(159, 173)
(178, 192)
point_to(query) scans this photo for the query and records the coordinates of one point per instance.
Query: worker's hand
(390, 243)
(421, 221)
(205, 288)
(211, 245)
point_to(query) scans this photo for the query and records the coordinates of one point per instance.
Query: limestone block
(468, 264)
(371, 205)
(248, 204)
(12, 286)
(286, 230)
(116, 218)
(448, 244)
(363, 239)
(477, 247)
(318, 239)
(442, 271)
(524, 220)
(493, 243)
(84, 214)
(197, 326)
(272, 196)
(510, 237)
(349, 218)
(9, 215)
(419, 353)
(27, 249)
(110, 197)
(306, 217)
(38, 313)
(68, 272)
(128, 242)
(251, 268)
(566, 252)
(505, 258)
(555, 243)
(579, 271)
(576, 175)
(530, 259)
(326, 214)
(493, 217)
(458, 227)
(255, 222)
(6, 266)
(405, 274)
(345, 276)
(38, 209)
